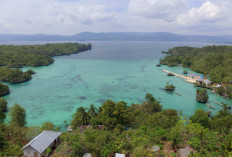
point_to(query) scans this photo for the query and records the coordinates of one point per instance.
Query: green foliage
(32, 132)
(92, 111)
(169, 86)
(3, 105)
(222, 121)
(4, 89)
(149, 97)
(2, 116)
(80, 118)
(201, 117)
(151, 105)
(202, 95)
(14, 75)
(48, 151)
(18, 115)
(113, 114)
(36, 55)
(2, 140)
(49, 126)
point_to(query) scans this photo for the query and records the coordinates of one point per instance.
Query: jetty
(177, 93)
(210, 106)
(219, 103)
(186, 78)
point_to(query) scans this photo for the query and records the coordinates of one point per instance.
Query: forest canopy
(16, 56)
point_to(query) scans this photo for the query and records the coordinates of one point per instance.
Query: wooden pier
(186, 78)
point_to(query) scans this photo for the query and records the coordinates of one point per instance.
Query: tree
(18, 115)
(2, 116)
(80, 117)
(201, 117)
(202, 95)
(4, 89)
(92, 111)
(3, 105)
(49, 126)
(2, 141)
(149, 97)
(113, 114)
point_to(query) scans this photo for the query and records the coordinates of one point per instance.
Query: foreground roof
(43, 140)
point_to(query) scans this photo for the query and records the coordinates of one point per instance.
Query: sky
(69, 17)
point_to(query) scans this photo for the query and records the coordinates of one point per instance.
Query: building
(119, 155)
(207, 82)
(37, 147)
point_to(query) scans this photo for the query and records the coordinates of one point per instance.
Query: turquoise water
(111, 70)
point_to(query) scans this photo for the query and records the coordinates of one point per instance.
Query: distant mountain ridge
(118, 36)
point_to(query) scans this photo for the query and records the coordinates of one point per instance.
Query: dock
(210, 106)
(186, 78)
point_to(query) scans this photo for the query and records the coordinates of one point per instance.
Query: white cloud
(159, 9)
(211, 16)
(207, 13)
(73, 16)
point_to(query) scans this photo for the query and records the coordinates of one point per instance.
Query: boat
(210, 106)
(219, 103)
(158, 65)
(177, 93)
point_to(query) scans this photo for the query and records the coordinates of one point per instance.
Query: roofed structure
(40, 143)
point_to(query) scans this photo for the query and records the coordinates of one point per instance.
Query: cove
(117, 70)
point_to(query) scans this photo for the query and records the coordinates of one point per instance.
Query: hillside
(118, 36)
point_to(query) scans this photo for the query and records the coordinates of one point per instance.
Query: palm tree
(81, 112)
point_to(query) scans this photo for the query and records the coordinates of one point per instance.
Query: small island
(170, 74)
(4, 90)
(202, 96)
(170, 87)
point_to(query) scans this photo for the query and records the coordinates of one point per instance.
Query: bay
(117, 70)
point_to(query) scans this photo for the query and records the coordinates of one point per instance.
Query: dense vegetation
(170, 87)
(14, 75)
(3, 105)
(4, 89)
(214, 61)
(202, 95)
(131, 130)
(36, 55)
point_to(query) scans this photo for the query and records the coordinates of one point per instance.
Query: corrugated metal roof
(43, 140)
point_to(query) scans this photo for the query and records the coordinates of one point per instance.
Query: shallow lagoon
(111, 70)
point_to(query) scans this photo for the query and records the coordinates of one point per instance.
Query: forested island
(16, 56)
(134, 130)
(13, 57)
(213, 61)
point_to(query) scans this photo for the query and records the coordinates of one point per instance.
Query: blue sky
(67, 17)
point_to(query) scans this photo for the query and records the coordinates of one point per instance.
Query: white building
(119, 155)
(37, 147)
